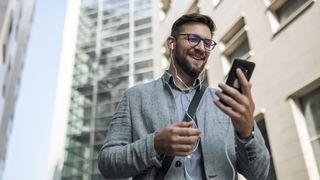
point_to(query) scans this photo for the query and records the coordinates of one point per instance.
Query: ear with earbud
(172, 46)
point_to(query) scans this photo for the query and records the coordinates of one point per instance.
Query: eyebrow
(196, 35)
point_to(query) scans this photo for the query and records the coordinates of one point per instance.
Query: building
(280, 36)
(15, 24)
(113, 51)
(121, 43)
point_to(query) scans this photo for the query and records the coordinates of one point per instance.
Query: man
(149, 123)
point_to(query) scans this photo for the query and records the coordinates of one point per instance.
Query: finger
(232, 92)
(187, 131)
(182, 124)
(229, 93)
(236, 106)
(244, 83)
(190, 140)
(227, 110)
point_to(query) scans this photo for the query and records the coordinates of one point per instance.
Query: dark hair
(192, 18)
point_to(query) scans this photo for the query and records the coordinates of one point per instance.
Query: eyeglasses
(194, 40)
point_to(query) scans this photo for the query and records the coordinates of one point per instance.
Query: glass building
(114, 52)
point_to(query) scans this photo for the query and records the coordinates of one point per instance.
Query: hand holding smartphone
(246, 67)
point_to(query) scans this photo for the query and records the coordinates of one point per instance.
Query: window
(99, 136)
(102, 122)
(235, 44)
(143, 64)
(310, 105)
(262, 126)
(282, 12)
(142, 32)
(143, 77)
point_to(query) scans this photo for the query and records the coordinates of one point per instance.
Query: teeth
(197, 58)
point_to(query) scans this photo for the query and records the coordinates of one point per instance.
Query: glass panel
(241, 51)
(142, 21)
(143, 77)
(117, 38)
(143, 31)
(142, 53)
(99, 136)
(143, 43)
(96, 150)
(310, 107)
(103, 96)
(142, 13)
(104, 110)
(143, 64)
(102, 123)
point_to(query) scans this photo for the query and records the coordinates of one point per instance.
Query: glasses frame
(212, 46)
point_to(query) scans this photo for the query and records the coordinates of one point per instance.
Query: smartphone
(246, 67)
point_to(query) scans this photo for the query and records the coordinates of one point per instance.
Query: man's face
(192, 59)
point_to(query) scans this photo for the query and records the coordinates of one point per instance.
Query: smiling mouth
(198, 58)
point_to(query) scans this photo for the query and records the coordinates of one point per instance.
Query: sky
(28, 149)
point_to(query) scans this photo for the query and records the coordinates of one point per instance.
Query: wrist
(159, 155)
(247, 136)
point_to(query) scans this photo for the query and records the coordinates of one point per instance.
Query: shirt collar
(168, 78)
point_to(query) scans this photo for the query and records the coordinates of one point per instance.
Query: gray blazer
(129, 151)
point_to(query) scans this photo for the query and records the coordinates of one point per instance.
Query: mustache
(198, 53)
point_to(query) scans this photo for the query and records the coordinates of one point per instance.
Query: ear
(171, 42)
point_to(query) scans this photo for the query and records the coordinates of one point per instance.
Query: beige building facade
(281, 37)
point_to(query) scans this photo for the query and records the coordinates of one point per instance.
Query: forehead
(199, 29)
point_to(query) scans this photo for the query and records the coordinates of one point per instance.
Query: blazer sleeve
(253, 159)
(119, 156)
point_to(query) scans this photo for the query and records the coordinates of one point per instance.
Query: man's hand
(241, 106)
(177, 139)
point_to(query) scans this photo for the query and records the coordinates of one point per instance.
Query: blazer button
(178, 163)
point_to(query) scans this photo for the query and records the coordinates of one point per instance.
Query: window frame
(273, 5)
(301, 125)
(231, 41)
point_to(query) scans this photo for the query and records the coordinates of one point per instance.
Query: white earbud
(172, 46)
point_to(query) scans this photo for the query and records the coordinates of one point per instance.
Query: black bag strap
(167, 161)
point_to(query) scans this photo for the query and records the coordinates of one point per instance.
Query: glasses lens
(207, 43)
(193, 39)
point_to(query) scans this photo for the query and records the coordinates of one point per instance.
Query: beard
(187, 67)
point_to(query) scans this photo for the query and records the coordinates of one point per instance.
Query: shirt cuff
(246, 140)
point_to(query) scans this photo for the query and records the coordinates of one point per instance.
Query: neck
(187, 80)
